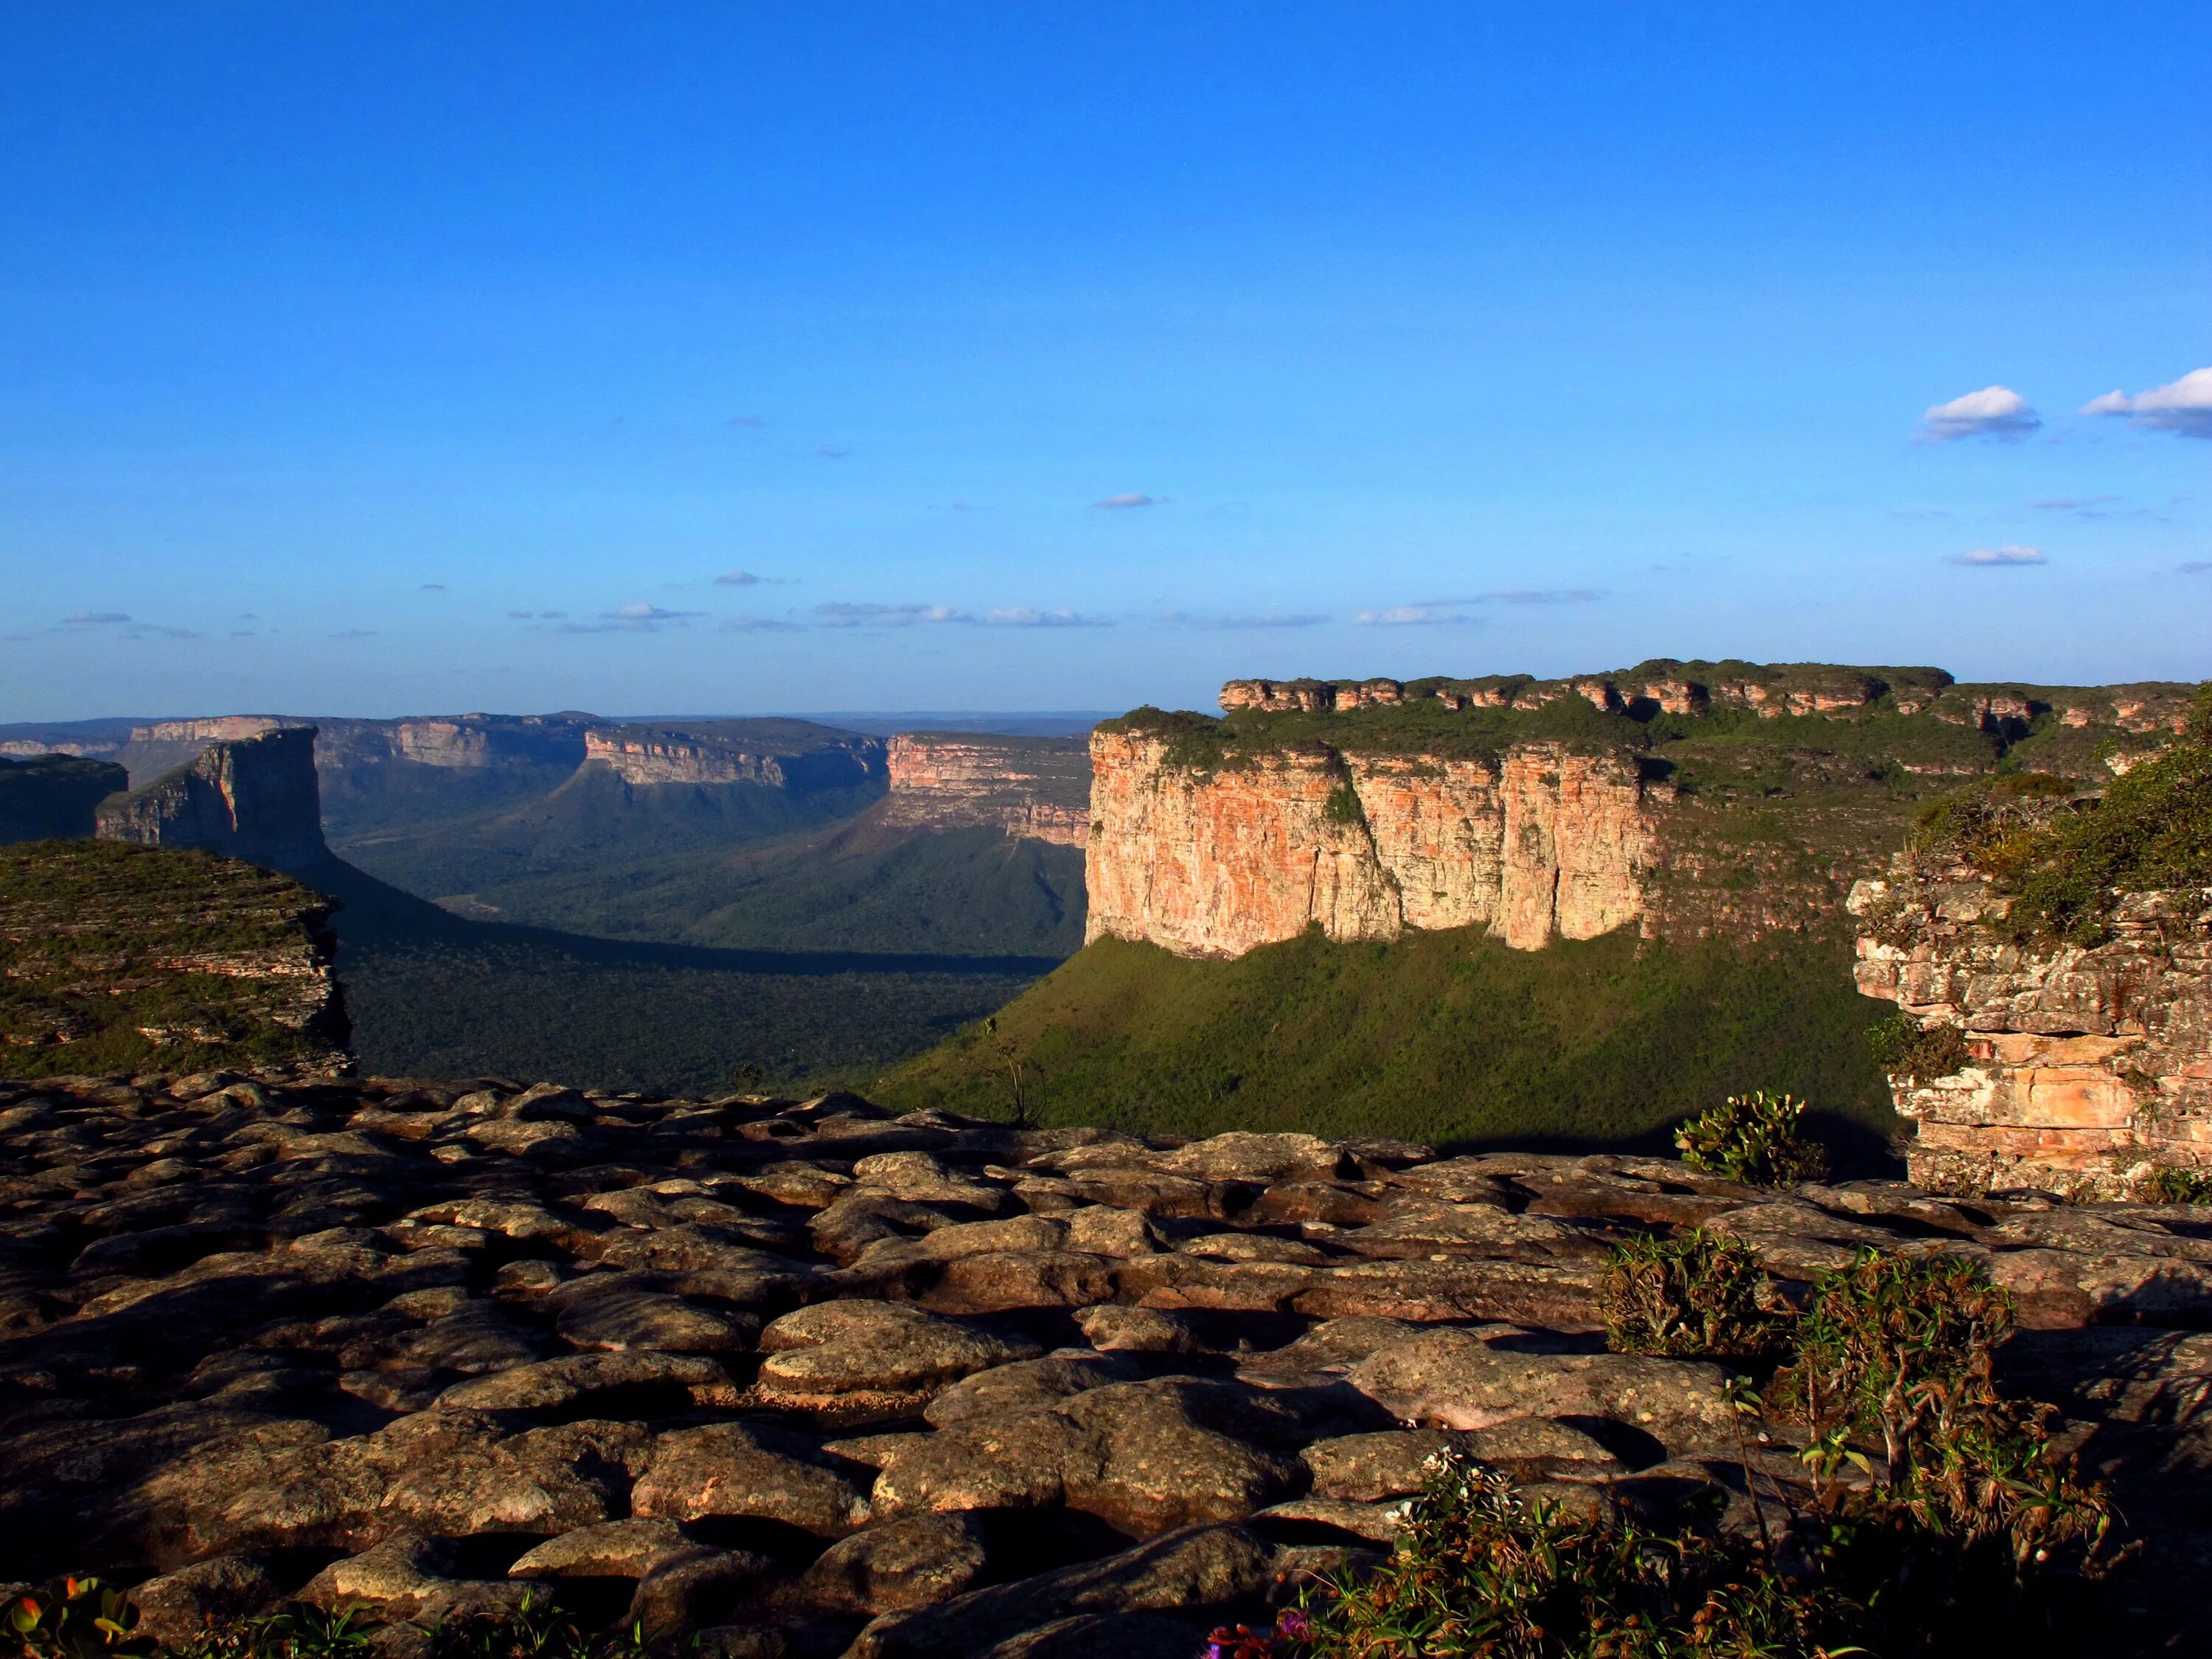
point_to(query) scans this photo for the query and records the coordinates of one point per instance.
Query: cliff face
(738, 753)
(1539, 844)
(2085, 1066)
(130, 957)
(256, 799)
(1034, 788)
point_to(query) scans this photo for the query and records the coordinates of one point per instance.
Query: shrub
(1902, 1351)
(1481, 1570)
(2171, 1184)
(78, 1618)
(1752, 1138)
(1701, 1295)
(1904, 1048)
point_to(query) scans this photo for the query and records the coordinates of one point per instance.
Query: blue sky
(374, 358)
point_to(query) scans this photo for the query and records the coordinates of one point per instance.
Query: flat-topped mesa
(254, 798)
(1540, 843)
(2083, 1068)
(1663, 684)
(1034, 788)
(704, 755)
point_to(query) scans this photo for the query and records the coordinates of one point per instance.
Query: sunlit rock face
(2087, 1067)
(1037, 787)
(1539, 844)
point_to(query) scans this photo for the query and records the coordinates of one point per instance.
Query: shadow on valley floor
(432, 993)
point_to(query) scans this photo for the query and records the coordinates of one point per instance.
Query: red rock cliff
(1539, 844)
(255, 799)
(1037, 787)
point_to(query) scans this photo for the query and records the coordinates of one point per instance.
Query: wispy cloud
(355, 634)
(823, 453)
(737, 579)
(1130, 498)
(1249, 619)
(2072, 503)
(521, 616)
(1023, 616)
(2011, 553)
(630, 619)
(758, 625)
(92, 618)
(433, 588)
(743, 420)
(155, 631)
(841, 613)
(1529, 596)
(2196, 567)
(1436, 613)
(1994, 411)
(2184, 406)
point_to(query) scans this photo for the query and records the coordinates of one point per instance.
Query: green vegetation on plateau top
(1445, 1036)
(1880, 736)
(91, 935)
(861, 886)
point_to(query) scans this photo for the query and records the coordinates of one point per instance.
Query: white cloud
(1994, 411)
(2184, 406)
(2011, 553)
(355, 634)
(1432, 613)
(1130, 498)
(758, 625)
(1023, 616)
(640, 619)
(840, 613)
(92, 618)
(737, 579)
(1255, 619)
(649, 613)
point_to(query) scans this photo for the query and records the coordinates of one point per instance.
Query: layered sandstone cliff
(255, 799)
(2085, 1066)
(1540, 843)
(741, 752)
(1034, 788)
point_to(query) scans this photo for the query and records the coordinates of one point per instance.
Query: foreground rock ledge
(805, 1378)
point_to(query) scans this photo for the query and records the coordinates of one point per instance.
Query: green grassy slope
(861, 886)
(591, 821)
(433, 994)
(1444, 1036)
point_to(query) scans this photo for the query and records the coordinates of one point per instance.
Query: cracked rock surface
(805, 1378)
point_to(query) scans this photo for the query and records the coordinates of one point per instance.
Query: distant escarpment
(254, 798)
(789, 755)
(128, 958)
(1034, 788)
(53, 795)
(1687, 798)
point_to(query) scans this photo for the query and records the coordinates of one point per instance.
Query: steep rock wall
(1540, 844)
(2086, 1067)
(1033, 788)
(647, 756)
(255, 799)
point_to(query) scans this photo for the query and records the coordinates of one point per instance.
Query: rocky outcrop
(1538, 844)
(803, 760)
(112, 955)
(1036, 787)
(451, 743)
(54, 794)
(255, 799)
(2085, 1068)
(1768, 690)
(801, 1377)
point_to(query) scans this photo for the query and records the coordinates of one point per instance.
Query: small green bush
(77, 1618)
(1481, 1570)
(1699, 1296)
(1752, 1138)
(2171, 1184)
(1902, 1047)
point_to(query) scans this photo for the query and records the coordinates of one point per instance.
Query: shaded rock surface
(802, 1377)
